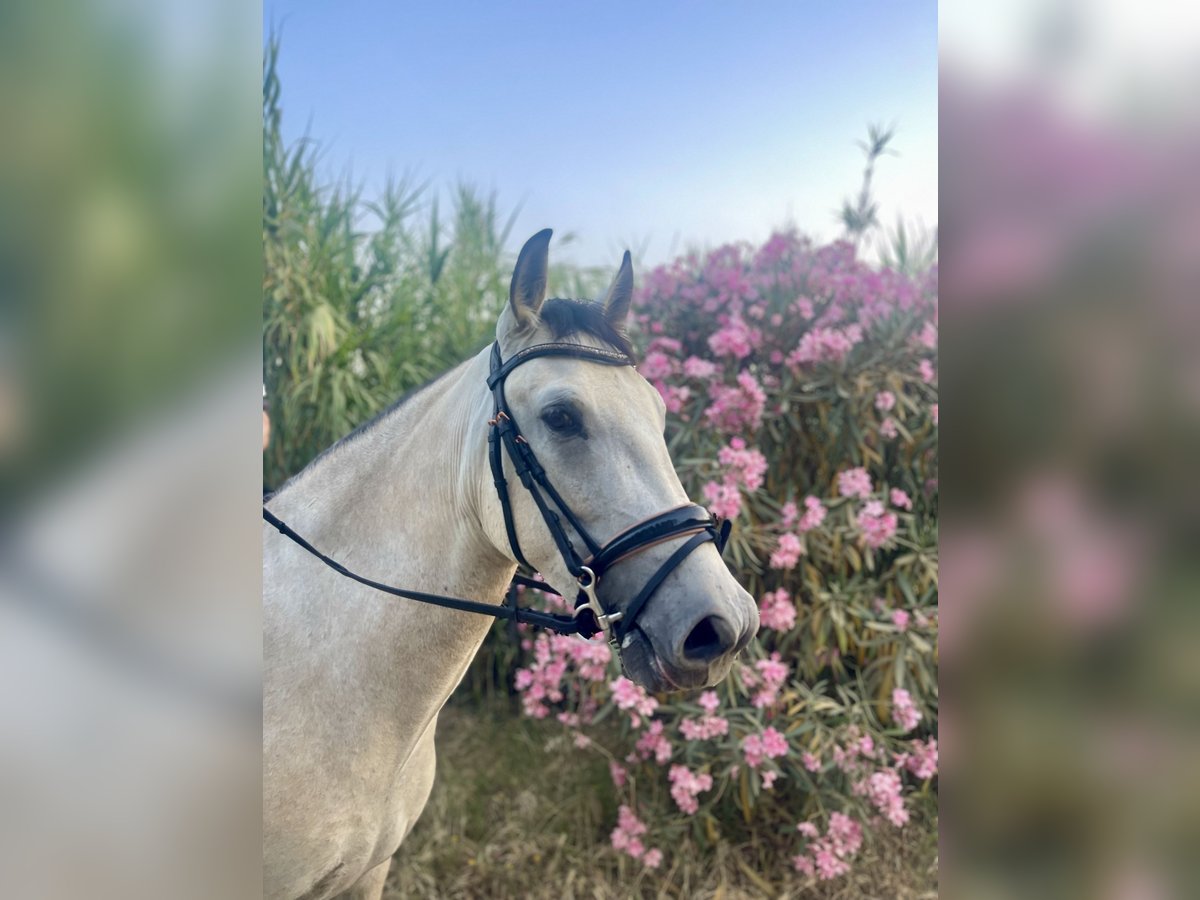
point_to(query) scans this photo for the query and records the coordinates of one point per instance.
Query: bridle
(591, 615)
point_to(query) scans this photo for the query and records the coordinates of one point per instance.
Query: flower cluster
(737, 407)
(883, 788)
(829, 856)
(788, 551)
(630, 696)
(801, 390)
(765, 679)
(855, 483)
(906, 715)
(707, 726)
(554, 656)
(770, 744)
(627, 837)
(878, 525)
(686, 785)
(777, 611)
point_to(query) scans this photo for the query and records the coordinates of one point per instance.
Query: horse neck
(399, 503)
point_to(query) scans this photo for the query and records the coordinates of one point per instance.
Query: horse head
(597, 431)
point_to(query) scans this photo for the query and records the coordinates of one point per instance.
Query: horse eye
(562, 420)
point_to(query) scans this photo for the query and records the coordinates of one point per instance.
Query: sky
(655, 126)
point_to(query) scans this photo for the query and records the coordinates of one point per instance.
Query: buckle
(587, 587)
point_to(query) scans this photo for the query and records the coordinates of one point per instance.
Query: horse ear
(620, 293)
(527, 292)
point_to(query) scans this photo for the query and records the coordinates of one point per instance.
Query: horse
(422, 496)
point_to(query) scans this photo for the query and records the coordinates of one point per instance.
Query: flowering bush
(801, 385)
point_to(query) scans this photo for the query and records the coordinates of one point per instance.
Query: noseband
(591, 615)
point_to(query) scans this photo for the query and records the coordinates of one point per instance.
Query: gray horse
(354, 679)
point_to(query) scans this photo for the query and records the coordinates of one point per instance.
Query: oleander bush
(801, 386)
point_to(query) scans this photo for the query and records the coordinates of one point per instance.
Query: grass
(511, 817)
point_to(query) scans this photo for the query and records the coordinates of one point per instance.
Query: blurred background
(1070, 321)
(130, 308)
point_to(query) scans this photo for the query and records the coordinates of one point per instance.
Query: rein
(591, 615)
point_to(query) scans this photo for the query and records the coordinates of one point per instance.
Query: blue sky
(655, 125)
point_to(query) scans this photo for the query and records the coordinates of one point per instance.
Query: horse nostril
(710, 639)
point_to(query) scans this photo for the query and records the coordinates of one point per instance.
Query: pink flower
(844, 834)
(827, 863)
(878, 527)
(855, 483)
(929, 336)
(768, 779)
(804, 307)
(675, 397)
(900, 619)
(752, 750)
(888, 429)
(829, 857)
(737, 409)
(744, 466)
(787, 515)
(904, 713)
(654, 743)
(700, 369)
(814, 514)
(656, 366)
(824, 345)
(686, 785)
(900, 499)
(725, 500)
(933, 412)
(771, 674)
(924, 760)
(811, 763)
(653, 858)
(735, 338)
(703, 728)
(541, 682)
(709, 701)
(884, 400)
(626, 835)
(632, 696)
(883, 790)
(759, 747)
(777, 610)
(787, 552)
(925, 368)
(618, 774)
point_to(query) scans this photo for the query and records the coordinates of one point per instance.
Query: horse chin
(645, 667)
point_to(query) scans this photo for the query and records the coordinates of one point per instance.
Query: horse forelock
(566, 318)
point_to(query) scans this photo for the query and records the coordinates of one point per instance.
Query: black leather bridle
(591, 615)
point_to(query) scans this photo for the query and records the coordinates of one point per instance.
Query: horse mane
(567, 317)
